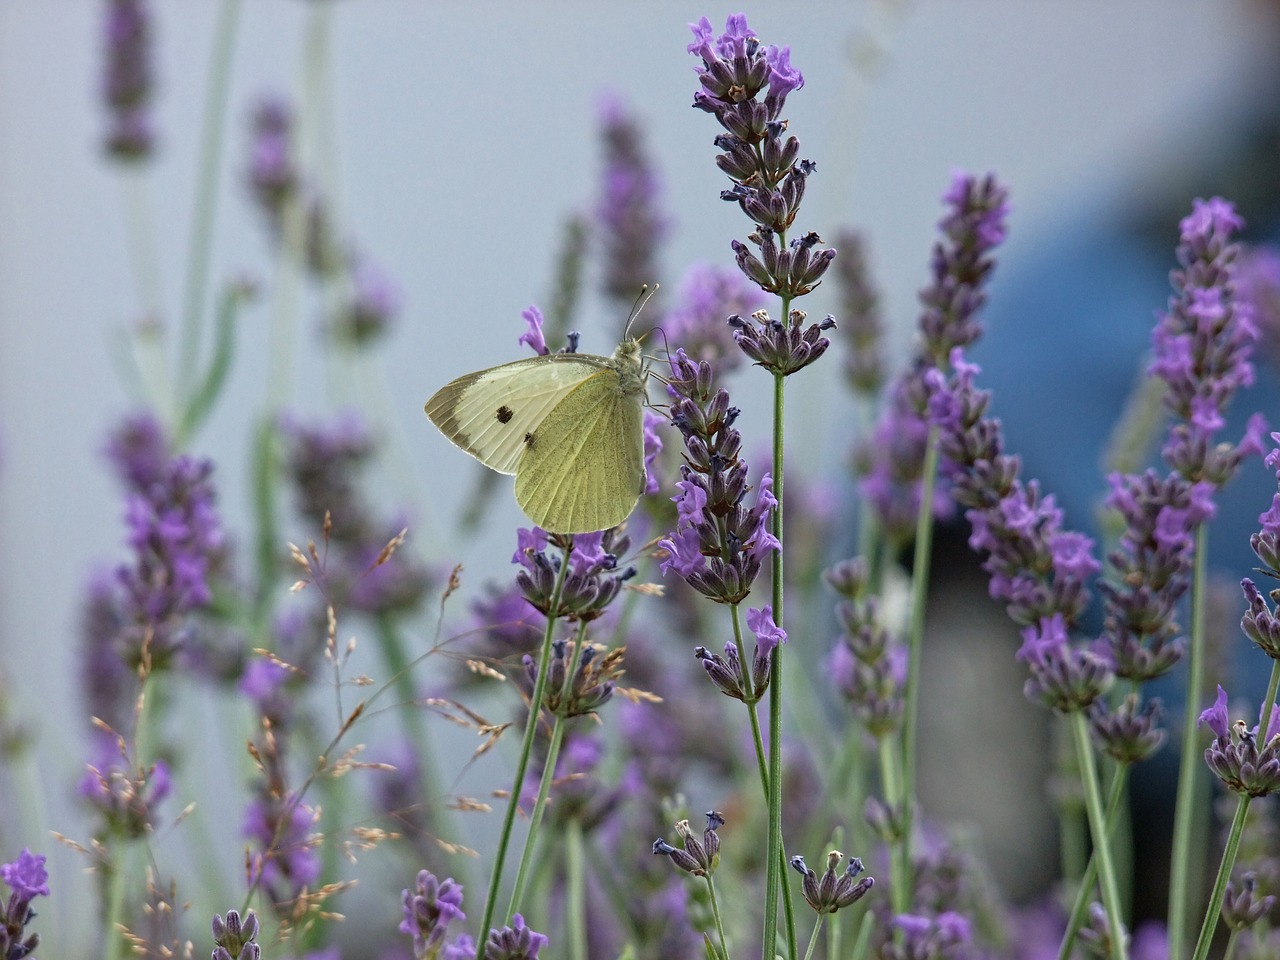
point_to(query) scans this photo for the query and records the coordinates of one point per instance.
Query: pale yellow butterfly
(568, 425)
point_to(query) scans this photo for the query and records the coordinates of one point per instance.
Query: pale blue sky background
(464, 134)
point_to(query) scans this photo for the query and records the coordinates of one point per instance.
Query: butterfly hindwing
(490, 413)
(583, 467)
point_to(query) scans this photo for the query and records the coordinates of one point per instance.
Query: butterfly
(568, 425)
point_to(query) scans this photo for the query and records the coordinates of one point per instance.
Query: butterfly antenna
(646, 294)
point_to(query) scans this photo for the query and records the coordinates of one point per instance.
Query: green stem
(813, 937)
(575, 908)
(715, 912)
(776, 880)
(1084, 891)
(1192, 797)
(116, 883)
(1098, 827)
(1224, 874)
(535, 818)
(915, 645)
(522, 763)
(210, 163)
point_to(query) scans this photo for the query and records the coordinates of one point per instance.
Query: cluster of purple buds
(728, 673)
(1236, 757)
(323, 462)
(631, 223)
(832, 891)
(277, 184)
(962, 263)
(719, 543)
(947, 936)
(707, 295)
(1096, 935)
(592, 582)
(127, 81)
(1242, 905)
(233, 938)
(371, 305)
(781, 348)
(867, 665)
(1038, 569)
(860, 307)
(516, 942)
(701, 855)
(27, 879)
(286, 861)
(768, 176)
(594, 679)
(1260, 622)
(1152, 570)
(126, 797)
(1063, 678)
(1129, 732)
(429, 908)
(1202, 346)
(175, 536)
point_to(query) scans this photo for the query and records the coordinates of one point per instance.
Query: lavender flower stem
(575, 906)
(1193, 794)
(715, 912)
(1080, 908)
(891, 782)
(776, 878)
(522, 762)
(1224, 868)
(915, 644)
(146, 278)
(1099, 828)
(813, 937)
(210, 162)
(544, 786)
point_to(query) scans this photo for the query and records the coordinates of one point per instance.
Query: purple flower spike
(632, 226)
(1236, 756)
(428, 910)
(26, 876)
(516, 942)
(1202, 344)
(128, 81)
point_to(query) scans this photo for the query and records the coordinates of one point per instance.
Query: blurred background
(452, 141)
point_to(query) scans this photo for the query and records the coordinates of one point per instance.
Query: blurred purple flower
(127, 80)
(429, 908)
(373, 304)
(284, 860)
(707, 296)
(124, 796)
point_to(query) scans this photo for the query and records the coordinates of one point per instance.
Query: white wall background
(465, 132)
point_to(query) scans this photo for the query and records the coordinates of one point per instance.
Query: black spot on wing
(504, 414)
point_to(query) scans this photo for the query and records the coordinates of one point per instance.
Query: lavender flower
(176, 538)
(1152, 567)
(579, 794)
(768, 178)
(1243, 905)
(125, 797)
(1202, 346)
(1063, 678)
(706, 298)
(1129, 732)
(234, 938)
(1258, 284)
(127, 81)
(631, 224)
(428, 910)
(947, 936)
(832, 892)
(1037, 568)
(700, 856)
(516, 942)
(782, 349)
(727, 672)
(591, 686)
(867, 665)
(285, 861)
(593, 579)
(373, 303)
(1236, 757)
(862, 324)
(27, 879)
(961, 264)
(719, 544)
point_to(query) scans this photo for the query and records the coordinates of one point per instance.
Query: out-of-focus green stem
(1101, 839)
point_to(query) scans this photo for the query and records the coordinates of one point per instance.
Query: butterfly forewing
(583, 468)
(489, 414)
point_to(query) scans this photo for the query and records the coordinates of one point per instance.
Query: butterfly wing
(583, 467)
(489, 413)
